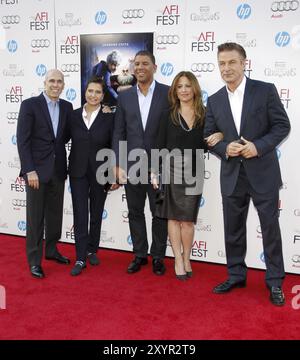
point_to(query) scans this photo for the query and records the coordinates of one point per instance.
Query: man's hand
(33, 180)
(249, 150)
(120, 175)
(234, 149)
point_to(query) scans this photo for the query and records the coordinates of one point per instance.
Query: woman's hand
(213, 139)
(154, 181)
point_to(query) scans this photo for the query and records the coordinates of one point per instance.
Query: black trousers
(88, 198)
(136, 198)
(44, 213)
(235, 211)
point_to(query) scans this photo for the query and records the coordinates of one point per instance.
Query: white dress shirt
(236, 103)
(145, 102)
(89, 122)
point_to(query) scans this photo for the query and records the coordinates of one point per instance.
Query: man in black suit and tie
(137, 120)
(253, 121)
(41, 145)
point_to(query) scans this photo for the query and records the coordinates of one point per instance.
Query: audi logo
(12, 115)
(167, 39)
(70, 67)
(133, 13)
(203, 67)
(285, 5)
(19, 202)
(40, 43)
(296, 258)
(10, 19)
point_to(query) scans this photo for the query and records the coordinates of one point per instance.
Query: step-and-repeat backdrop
(37, 35)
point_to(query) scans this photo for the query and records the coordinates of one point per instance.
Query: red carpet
(107, 303)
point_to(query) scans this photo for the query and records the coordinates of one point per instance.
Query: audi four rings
(167, 39)
(19, 202)
(203, 67)
(285, 5)
(133, 13)
(70, 67)
(40, 43)
(10, 19)
(12, 115)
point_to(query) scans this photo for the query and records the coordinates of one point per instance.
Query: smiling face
(54, 84)
(94, 94)
(144, 69)
(184, 90)
(231, 65)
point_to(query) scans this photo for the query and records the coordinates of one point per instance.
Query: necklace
(181, 124)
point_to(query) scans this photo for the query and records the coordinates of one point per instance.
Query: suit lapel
(153, 106)
(62, 118)
(46, 114)
(228, 113)
(136, 105)
(248, 98)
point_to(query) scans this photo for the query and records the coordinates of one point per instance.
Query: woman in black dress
(181, 128)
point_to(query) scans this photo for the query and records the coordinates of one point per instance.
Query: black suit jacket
(128, 121)
(87, 142)
(39, 149)
(264, 122)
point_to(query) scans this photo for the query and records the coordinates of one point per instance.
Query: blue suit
(129, 127)
(265, 123)
(40, 151)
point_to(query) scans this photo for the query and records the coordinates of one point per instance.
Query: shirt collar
(94, 112)
(151, 88)
(239, 90)
(48, 99)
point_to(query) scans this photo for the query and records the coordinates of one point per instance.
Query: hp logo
(278, 152)
(41, 70)
(104, 214)
(167, 69)
(204, 97)
(100, 18)
(243, 11)
(202, 202)
(22, 225)
(129, 240)
(282, 38)
(71, 94)
(14, 139)
(262, 257)
(12, 46)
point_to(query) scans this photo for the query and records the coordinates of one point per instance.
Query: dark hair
(146, 53)
(199, 108)
(96, 80)
(229, 46)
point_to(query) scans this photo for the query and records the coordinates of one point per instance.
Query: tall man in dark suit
(41, 145)
(137, 119)
(250, 115)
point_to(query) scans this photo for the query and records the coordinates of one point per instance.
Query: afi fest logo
(40, 22)
(170, 16)
(2, 298)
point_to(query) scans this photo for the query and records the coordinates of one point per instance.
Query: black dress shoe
(59, 259)
(93, 259)
(158, 267)
(228, 285)
(277, 296)
(37, 271)
(136, 264)
(78, 267)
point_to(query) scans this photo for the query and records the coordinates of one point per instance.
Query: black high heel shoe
(182, 277)
(189, 274)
